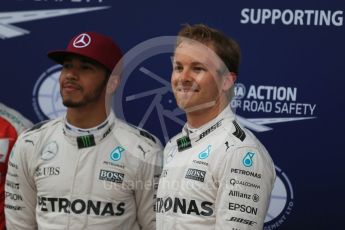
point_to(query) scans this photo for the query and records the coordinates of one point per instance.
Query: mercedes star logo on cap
(82, 41)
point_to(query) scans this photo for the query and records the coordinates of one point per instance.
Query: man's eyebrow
(194, 63)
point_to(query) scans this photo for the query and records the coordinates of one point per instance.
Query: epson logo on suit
(13, 196)
(195, 174)
(111, 176)
(243, 208)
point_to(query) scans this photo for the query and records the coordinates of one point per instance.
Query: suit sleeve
(246, 178)
(146, 188)
(20, 190)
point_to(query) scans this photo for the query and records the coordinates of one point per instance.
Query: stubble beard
(86, 99)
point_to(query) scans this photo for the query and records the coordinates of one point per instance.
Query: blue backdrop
(289, 90)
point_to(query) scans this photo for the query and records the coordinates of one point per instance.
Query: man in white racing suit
(216, 174)
(87, 170)
(12, 123)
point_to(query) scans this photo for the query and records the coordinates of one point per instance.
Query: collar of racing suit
(197, 134)
(84, 138)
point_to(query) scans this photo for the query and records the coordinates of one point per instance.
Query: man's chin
(71, 104)
(189, 107)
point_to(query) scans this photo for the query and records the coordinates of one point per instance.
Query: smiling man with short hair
(216, 174)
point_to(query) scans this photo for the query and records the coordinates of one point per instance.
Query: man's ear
(229, 80)
(113, 83)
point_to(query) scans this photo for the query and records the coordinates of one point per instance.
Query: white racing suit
(12, 123)
(216, 177)
(66, 178)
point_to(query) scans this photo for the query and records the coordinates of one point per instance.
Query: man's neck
(198, 118)
(86, 118)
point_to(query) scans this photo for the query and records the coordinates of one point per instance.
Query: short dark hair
(225, 47)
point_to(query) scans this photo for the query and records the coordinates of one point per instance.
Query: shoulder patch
(138, 132)
(183, 143)
(239, 133)
(147, 135)
(37, 126)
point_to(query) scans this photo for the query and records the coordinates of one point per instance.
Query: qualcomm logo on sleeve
(47, 101)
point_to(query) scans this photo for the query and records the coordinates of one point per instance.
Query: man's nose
(185, 75)
(72, 73)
